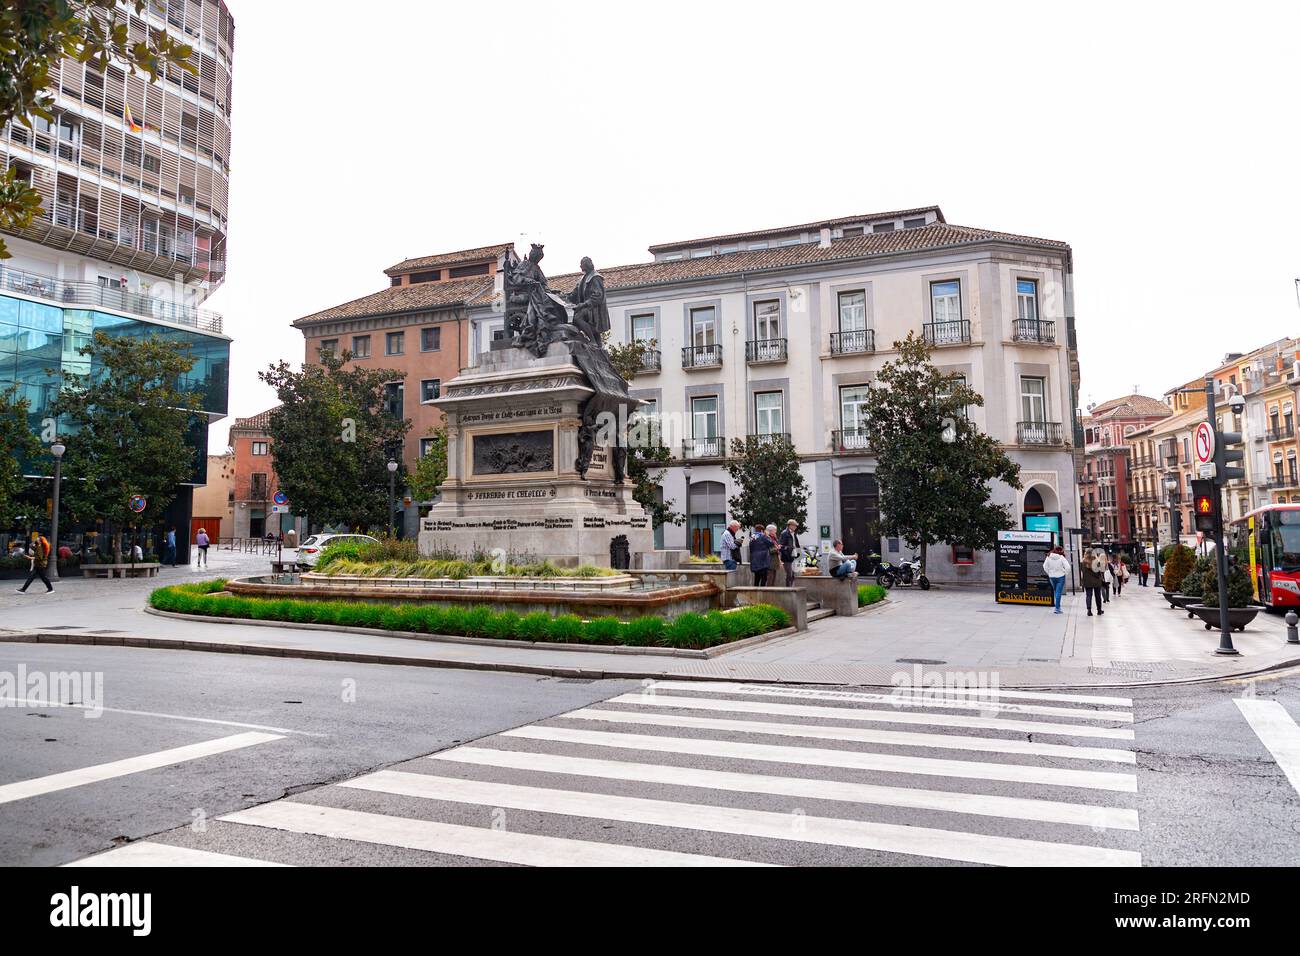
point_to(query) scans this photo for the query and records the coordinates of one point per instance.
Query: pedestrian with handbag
(40, 554)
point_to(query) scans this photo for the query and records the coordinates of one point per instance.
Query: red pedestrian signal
(1204, 504)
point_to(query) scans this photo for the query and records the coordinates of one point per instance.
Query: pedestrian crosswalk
(688, 773)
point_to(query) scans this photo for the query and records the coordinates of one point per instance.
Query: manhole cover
(917, 660)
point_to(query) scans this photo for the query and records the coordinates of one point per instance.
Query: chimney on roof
(825, 241)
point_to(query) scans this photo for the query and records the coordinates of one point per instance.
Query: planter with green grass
(689, 630)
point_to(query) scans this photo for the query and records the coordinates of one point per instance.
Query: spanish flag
(130, 120)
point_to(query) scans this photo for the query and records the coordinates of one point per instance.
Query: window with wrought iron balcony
(848, 343)
(1041, 331)
(760, 351)
(1039, 433)
(708, 446)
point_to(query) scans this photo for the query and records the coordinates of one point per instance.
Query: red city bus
(1267, 542)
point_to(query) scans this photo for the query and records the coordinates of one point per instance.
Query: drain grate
(917, 660)
(576, 680)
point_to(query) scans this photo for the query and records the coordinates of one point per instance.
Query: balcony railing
(758, 351)
(651, 361)
(771, 438)
(1283, 481)
(1283, 433)
(1035, 330)
(850, 441)
(946, 333)
(1039, 433)
(93, 295)
(702, 356)
(846, 343)
(713, 446)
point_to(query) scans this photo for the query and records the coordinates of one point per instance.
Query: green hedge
(688, 630)
(400, 559)
(870, 594)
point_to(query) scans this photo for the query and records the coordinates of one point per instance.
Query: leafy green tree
(648, 457)
(769, 486)
(34, 36)
(935, 467)
(17, 444)
(431, 469)
(331, 439)
(128, 424)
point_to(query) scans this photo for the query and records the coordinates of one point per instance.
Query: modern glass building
(41, 338)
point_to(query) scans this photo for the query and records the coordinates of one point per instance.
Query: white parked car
(310, 550)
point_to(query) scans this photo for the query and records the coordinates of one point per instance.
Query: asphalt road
(539, 770)
(333, 721)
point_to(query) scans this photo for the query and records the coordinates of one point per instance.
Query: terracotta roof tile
(803, 227)
(1131, 406)
(256, 423)
(420, 297)
(450, 258)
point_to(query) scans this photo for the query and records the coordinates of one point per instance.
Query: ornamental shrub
(645, 631)
(1240, 592)
(1177, 567)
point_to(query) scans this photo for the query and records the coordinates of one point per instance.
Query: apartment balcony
(772, 438)
(702, 356)
(850, 441)
(1040, 433)
(852, 343)
(946, 333)
(1035, 330)
(1288, 481)
(763, 351)
(91, 295)
(1284, 433)
(696, 449)
(651, 362)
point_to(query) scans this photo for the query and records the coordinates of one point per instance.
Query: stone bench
(836, 594)
(137, 570)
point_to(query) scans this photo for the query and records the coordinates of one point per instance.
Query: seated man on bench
(842, 565)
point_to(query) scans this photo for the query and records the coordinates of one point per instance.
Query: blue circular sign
(138, 503)
(280, 498)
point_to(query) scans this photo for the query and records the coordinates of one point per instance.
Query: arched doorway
(860, 514)
(1033, 502)
(707, 516)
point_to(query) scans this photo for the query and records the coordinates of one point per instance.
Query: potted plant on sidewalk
(1241, 610)
(1193, 589)
(1177, 566)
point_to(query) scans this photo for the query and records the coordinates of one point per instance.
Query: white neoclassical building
(780, 330)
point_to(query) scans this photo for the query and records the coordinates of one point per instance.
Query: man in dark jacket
(760, 555)
(789, 545)
(1092, 575)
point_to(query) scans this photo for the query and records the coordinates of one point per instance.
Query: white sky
(1158, 139)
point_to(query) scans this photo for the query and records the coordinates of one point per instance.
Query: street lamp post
(1155, 542)
(690, 532)
(52, 560)
(392, 501)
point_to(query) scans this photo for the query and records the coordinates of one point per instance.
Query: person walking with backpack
(40, 554)
(1093, 577)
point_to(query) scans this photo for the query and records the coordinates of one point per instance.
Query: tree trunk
(924, 548)
(117, 545)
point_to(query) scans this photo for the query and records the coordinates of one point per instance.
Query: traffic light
(1224, 457)
(1176, 524)
(1204, 504)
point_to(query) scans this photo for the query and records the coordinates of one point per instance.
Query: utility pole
(1223, 470)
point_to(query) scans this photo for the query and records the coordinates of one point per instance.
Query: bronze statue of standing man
(590, 312)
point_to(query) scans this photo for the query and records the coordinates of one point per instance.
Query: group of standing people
(766, 548)
(1100, 575)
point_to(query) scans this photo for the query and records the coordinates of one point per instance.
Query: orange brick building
(255, 483)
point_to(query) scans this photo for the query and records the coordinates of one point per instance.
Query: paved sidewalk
(945, 631)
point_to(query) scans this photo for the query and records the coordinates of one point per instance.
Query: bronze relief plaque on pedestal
(510, 453)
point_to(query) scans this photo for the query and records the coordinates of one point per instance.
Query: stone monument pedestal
(512, 479)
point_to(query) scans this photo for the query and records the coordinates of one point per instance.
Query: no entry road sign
(1204, 443)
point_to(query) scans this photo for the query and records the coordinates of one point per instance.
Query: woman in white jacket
(1056, 567)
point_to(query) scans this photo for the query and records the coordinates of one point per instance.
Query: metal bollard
(1292, 635)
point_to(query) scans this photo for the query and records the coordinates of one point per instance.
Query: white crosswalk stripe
(716, 774)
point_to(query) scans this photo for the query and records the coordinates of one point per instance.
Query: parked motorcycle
(904, 573)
